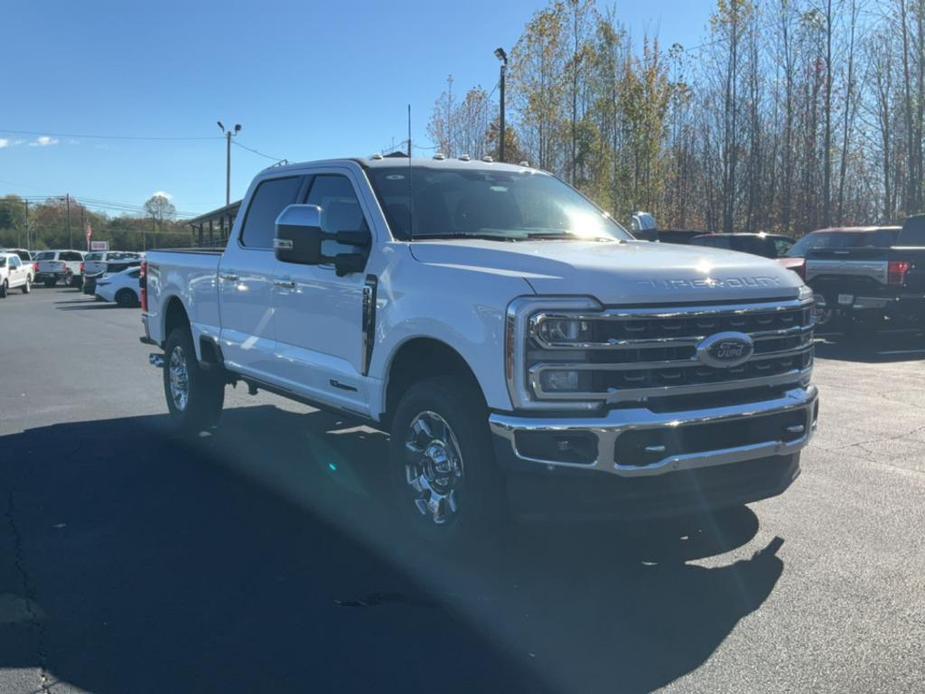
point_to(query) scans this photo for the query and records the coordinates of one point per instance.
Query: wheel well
(417, 360)
(174, 317)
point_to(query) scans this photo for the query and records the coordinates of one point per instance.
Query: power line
(106, 137)
(257, 152)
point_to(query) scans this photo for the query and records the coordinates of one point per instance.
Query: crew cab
(527, 356)
(14, 274)
(58, 266)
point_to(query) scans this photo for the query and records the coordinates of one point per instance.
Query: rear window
(835, 240)
(270, 198)
(23, 255)
(45, 255)
(94, 256)
(71, 256)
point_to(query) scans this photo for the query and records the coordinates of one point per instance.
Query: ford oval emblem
(725, 350)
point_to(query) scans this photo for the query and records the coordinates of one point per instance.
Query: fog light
(560, 381)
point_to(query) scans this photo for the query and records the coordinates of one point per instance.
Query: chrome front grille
(634, 354)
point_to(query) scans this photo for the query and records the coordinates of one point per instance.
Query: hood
(634, 272)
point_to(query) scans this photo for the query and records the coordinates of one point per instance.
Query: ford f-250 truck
(525, 354)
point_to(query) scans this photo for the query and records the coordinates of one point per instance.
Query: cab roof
(382, 162)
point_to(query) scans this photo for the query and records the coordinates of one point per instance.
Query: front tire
(194, 395)
(446, 482)
(4, 288)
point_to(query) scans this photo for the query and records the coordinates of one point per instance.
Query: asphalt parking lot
(262, 559)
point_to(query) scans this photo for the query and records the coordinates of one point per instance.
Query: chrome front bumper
(606, 430)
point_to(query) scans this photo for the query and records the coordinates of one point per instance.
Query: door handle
(228, 277)
(284, 284)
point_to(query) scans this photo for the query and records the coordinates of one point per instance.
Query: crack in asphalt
(29, 593)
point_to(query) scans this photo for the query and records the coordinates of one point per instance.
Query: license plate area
(845, 299)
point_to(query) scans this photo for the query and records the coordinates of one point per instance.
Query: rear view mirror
(299, 235)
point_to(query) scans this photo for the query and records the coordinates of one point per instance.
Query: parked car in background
(26, 258)
(100, 263)
(14, 274)
(58, 266)
(121, 287)
(765, 245)
(865, 277)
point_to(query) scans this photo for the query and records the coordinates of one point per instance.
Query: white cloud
(4, 142)
(44, 141)
(162, 194)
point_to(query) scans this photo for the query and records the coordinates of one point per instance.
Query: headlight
(541, 331)
(557, 330)
(806, 292)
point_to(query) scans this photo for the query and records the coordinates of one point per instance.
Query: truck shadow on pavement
(264, 558)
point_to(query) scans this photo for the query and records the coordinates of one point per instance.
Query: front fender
(461, 308)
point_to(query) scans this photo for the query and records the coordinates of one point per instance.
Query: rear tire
(4, 288)
(27, 287)
(444, 475)
(195, 396)
(126, 298)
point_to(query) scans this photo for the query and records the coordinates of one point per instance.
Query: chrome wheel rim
(433, 467)
(178, 379)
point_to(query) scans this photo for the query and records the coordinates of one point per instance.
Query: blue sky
(307, 80)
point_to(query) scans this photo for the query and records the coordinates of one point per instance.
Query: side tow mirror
(299, 235)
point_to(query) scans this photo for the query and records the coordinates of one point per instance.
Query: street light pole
(502, 56)
(228, 135)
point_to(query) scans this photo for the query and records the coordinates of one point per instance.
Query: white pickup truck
(526, 355)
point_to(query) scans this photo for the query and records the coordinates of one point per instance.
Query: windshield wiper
(462, 235)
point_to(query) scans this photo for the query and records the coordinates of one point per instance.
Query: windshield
(481, 203)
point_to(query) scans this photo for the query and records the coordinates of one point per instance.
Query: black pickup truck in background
(869, 278)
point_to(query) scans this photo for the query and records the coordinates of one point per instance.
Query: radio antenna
(410, 182)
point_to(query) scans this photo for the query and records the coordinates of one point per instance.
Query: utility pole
(67, 202)
(502, 56)
(228, 135)
(29, 244)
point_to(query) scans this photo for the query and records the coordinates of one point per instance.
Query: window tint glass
(913, 233)
(93, 256)
(3, 261)
(71, 256)
(270, 198)
(782, 247)
(45, 255)
(340, 209)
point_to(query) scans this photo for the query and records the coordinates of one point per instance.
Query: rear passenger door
(318, 314)
(245, 280)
